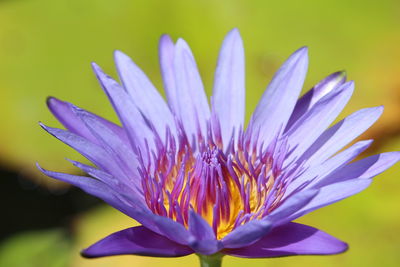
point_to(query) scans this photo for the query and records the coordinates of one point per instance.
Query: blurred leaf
(46, 47)
(36, 249)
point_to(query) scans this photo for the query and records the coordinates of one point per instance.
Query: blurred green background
(46, 47)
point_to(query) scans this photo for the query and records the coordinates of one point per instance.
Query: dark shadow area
(26, 206)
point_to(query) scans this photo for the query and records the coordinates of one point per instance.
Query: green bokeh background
(46, 47)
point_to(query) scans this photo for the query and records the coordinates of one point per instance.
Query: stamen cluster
(226, 187)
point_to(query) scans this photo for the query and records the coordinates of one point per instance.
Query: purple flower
(197, 179)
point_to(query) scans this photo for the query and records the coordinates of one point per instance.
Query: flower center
(227, 188)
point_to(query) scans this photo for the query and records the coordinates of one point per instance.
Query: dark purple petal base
(136, 241)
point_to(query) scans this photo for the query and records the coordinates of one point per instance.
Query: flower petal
(246, 234)
(144, 94)
(126, 186)
(136, 241)
(291, 239)
(91, 151)
(362, 169)
(308, 100)
(129, 204)
(313, 175)
(332, 193)
(340, 134)
(132, 120)
(172, 230)
(228, 100)
(62, 111)
(318, 118)
(193, 109)
(290, 206)
(252, 231)
(206, 242)
(277, 103)
(101, 190)
(166, 52)
(114, 146)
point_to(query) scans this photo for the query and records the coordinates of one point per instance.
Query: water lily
(199, 180)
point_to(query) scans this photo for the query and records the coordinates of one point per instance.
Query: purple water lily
(201, 182)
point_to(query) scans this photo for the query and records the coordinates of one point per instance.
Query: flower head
(197, 179)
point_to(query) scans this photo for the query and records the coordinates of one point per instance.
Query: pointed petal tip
(53, 104)
(50, 100)
(44, 171)
(344, 248)
(234, 32)
(38, 166)
(165, 43)
(165, 38)
(96, 67)
(86, 253)
(120, 58)
(234, 36)
(42, 125)
(100, 74)
(118, 54)
(342, 74)
(302, 50)
(180, 42)
(378, 111)
(300, 56)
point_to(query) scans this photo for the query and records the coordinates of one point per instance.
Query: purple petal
(62, 111)
(317, 173)
(100, 175)
(114, 146)
(332, 193)
(101, 190)
(136, 241)
(278, 101)
(173, 230)
(144, 94)
(126, 186)
(252, 231)
(342, 133)
(128, 113)
(166, 57)
(205, 242)
(291, 239)
(318, 118)
(324, 87)
(246, 234)
(193, 109)
(130, 204)
(362, 169)
(199, 227)
(290, 206)
(228, 100)
(91, 151)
